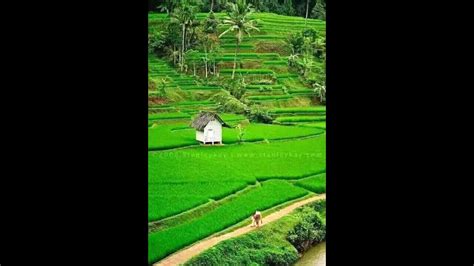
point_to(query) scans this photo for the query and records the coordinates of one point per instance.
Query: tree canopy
(317, 8)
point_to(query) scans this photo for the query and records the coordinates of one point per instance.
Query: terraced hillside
(262, 61)
(196, 191)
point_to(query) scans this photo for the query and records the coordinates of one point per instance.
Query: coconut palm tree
(307, 12)
(192, 55)
(185, 15)
(238, 20)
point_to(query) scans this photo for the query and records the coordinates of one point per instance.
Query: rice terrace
(236, 124)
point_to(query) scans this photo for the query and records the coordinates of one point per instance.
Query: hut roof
(203, 118)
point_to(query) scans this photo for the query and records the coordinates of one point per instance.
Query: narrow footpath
(184, 255)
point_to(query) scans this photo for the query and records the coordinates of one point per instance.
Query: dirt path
(184, 255)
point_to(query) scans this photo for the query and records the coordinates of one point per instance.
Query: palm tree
(185, 15)
(206, 45)
(307, 12)
(239, 22)
(192, 55)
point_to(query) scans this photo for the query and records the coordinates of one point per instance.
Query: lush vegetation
(303, 8)
(179, 134)
(261, 66)
(274, 244)
(321, 125)
(270, 193)
(316, 183)
(160, 116)
(290, 119)
(228, 169)
(295, 159)
(287, 53)
(300, 110)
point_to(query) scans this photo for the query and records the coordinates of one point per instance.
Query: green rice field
(198, 190)
(269, 194)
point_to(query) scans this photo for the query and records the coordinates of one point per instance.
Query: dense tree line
(302, 8)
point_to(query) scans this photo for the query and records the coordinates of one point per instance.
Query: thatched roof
(203, 118)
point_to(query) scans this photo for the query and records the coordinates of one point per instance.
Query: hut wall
(217, 128)
(199, 136)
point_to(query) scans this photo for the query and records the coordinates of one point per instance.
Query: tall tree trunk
(174, 55)
(235, 58)
(212, 5)
(182, 47)
(307, 9)
(205, 59)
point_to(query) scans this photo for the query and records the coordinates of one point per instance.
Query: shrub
(319, 206)
(271, 47)
(252, 250)
(260, 115)
(151, 84)
(309, 231)
(228, 103)
(236, 87)
(267, 246)
(271, 193)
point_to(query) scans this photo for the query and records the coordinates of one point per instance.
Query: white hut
(208, 127)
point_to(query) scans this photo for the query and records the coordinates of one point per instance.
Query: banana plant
(320, 90)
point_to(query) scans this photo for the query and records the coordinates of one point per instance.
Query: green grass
(271, 193)
(163, 137)
(169, 199)
(266, 246)
(160, 116)
(316, 125)
(275, 62)
(288, 75)
(258, 132)
(232, 165)
(182, 179)
(199, 87)
(269, 97)
(316, 184)
(227, 169)
(232, 119)
(263, 87)
(311, 110)
(248, 71)
(293, 119)
(180, 134)
(192, 103)
(233, 46)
